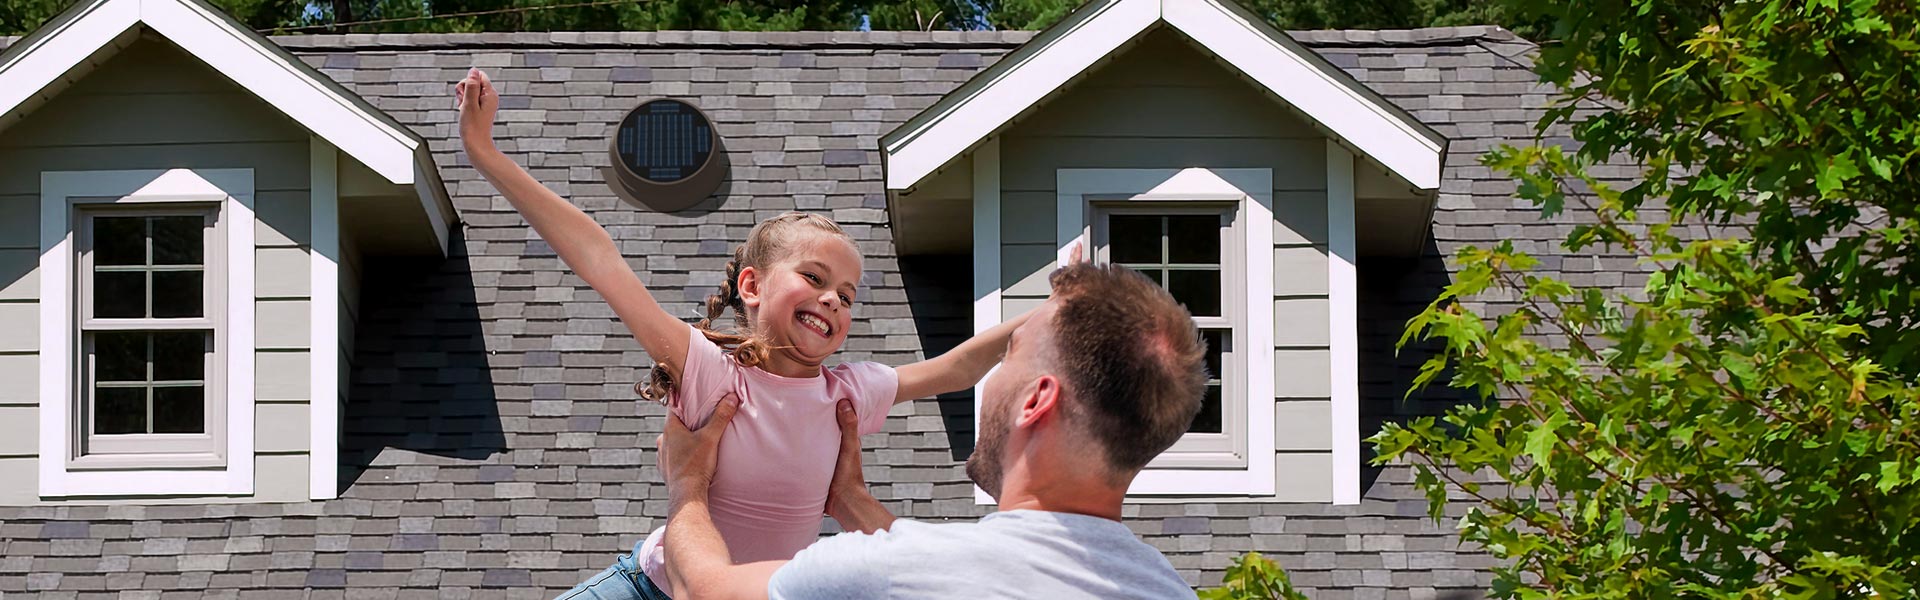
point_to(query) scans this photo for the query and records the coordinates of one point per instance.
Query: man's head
(1110, 362)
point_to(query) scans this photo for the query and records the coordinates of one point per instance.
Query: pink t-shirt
(776, 458)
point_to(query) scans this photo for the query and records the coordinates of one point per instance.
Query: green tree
(1742, 427)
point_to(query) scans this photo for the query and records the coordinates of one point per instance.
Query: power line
(451, 15)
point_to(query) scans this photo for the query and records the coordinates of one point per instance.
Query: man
(1107, 374)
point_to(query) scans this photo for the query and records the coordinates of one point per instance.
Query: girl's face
(803, 301)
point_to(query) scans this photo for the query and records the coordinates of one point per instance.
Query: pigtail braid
(746, 350)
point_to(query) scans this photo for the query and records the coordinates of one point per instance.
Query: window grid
(1197, 238)
(159, 341)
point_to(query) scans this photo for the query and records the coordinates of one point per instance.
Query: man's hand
(478, 102)
(848, 500)
(687, 458)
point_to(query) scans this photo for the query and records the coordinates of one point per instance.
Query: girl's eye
(847, 300)
(811, 277)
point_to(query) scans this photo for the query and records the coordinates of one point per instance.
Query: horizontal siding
(1029, 164)
(1303, 477)
(19, 431)
(277, 166)
(20, 220)
(281, 273)
(280, 324)
(1302, 425)
(19, 379)
(281, 428)
(19, 274)
(281, 376)
(22, 330)
(22, 474)
(282, 219)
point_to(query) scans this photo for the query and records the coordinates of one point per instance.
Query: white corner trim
(957, 123)
(1326, 95)
(323, 300)
(1329, 98)
(240, 55)
(1343, 298)
(986, 265)
(1254, 189)
(234, 189)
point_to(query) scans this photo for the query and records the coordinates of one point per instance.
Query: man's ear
(1041, 400)
(748, 286)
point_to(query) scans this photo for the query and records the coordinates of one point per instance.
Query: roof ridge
(1423, 36)
(1420, 36)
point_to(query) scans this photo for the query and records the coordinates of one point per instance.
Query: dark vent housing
(665, 156)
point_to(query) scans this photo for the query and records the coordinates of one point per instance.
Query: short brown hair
(1133, 362)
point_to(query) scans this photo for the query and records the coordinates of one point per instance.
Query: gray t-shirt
(1014, 554)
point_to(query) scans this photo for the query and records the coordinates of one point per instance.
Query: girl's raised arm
(967, 363)
(580, 242)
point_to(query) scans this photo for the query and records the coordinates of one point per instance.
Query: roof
(492, 442)
(1330, 98)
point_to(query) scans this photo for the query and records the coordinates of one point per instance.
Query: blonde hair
(769, 240)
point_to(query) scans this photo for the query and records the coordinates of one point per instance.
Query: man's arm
(848, 500)
(698, 561)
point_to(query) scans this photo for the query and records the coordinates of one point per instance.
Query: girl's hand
(478, 102)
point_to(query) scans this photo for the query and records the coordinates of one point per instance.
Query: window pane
(177, 294)
(1199, 290)
(119, 295)
(1193, 239)
(179, 409)
(179, 240)
(1219, 344)
(119, 356)
(119, 241)
(179, 355)
(1150, 272)
(1208, 421)
(1134, 238)
(119, 410)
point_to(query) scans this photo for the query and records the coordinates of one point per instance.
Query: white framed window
(1207, 234)
(1193, 249)
(146, 333)
(148, 282)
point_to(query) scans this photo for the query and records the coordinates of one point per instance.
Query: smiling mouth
(814, 323)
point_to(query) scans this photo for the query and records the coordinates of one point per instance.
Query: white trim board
(323, 301)
(234, 189)
(1343, 321)
(1253, 188)
(1328, 96)
(986, 265)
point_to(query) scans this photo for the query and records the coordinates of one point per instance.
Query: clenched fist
(478, 103)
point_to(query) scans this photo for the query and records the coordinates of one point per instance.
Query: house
(433, 406)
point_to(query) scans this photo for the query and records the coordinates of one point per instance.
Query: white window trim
(1253, 189)
(1227, 449)
(233, 188)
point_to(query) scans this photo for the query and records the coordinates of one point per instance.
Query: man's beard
(983, 467)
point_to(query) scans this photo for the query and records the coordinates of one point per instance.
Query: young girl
(792, 287)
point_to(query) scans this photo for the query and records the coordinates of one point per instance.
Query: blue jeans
(621, 581)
